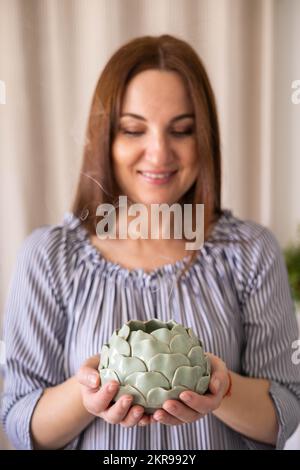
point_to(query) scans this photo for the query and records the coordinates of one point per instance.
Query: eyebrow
(176, 118)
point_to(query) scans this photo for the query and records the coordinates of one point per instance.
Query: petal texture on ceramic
(154, 361)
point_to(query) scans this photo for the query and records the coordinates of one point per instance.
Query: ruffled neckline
(91, 252)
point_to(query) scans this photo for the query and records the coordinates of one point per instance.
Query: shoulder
(45, 242)
(251, 250)
(54, 241)
(40, 241)
(246, 237)
(52, 251)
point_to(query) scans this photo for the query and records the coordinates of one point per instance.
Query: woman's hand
(196, 406)
(97, 400)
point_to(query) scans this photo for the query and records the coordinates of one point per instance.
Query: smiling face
(154, 152)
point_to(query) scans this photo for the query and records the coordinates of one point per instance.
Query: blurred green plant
(292, 259)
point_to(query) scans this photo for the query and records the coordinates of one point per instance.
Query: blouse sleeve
(270, 329)
(34, 332)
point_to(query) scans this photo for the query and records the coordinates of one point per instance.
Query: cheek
(189, 157)
(124, 154)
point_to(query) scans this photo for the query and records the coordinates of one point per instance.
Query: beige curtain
(51, 54)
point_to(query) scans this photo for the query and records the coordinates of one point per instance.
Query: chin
(156, 200)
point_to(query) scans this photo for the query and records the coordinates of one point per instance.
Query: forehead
(156, 90)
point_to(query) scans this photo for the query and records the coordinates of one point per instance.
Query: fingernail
(126, 401)
(216, 384)
(137, 413)
(92, 379)
(112, 387)
(186, 397)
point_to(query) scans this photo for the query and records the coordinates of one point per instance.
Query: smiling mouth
(155, 177)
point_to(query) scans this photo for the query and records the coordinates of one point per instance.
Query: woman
(152, 136)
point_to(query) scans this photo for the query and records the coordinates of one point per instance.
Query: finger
(202, 404)
(88, 377)
(180, 411)
(117, 412)
(88, 374)
(213, 360)
(133, 416)
(214, 384)
(146, 420)
(98, 401)
(219, 383)
(165, 418)
(92, 361)
(217, 364)
(219, 374)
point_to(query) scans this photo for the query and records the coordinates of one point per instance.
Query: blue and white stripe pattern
(65, 300)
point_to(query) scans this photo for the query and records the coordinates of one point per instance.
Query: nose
(158, 151)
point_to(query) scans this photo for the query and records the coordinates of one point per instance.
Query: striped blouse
(65, 299)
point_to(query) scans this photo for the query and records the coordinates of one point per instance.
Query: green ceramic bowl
(154, 361)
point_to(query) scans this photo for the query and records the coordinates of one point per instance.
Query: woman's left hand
(192, 405)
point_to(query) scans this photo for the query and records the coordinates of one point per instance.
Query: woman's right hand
(97, 399)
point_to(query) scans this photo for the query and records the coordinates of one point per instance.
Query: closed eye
(183, 133)
(136, 133)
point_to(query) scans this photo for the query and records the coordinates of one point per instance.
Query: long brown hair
(97, 184)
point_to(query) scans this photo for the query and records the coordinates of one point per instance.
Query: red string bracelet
(228, 393)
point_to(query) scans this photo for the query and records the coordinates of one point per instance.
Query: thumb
(88, 374)
(215, 384)
(88, 377)
(93, 361)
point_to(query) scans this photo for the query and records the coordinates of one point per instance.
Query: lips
(151, 174)
(157, 177)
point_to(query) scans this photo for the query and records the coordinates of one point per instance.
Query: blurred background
(51, 55)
